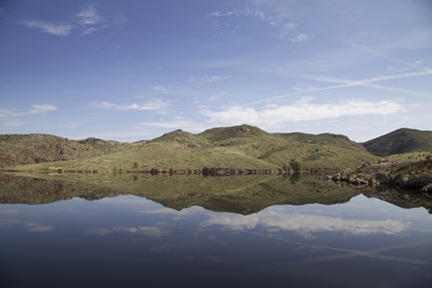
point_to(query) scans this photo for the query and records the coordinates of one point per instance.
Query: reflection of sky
(359, 217)
(305, 224)
(30, 226)
(128, 230)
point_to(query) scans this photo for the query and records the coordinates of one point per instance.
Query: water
(131, 241)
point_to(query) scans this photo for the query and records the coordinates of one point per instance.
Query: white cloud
(37, 109)
(208, 79)
(42, 108)
(214, 78)
(103, 105)
(302, 110)
(300, 38)
(89, 16)
(152, 104)
(62, 29)
(160, 88)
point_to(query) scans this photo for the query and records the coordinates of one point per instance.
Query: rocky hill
(403, 140)
(18, 149)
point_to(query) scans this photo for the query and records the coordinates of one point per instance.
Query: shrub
(296, 165)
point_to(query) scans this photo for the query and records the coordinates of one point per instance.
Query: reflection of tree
(296, 177)
(293, 178)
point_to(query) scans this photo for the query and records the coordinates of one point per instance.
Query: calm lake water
(131, 241)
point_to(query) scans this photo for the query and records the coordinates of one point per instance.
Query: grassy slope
(40, 148)
(400, 141)
(241, 147)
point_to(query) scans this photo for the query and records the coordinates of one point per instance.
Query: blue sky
(131, 70)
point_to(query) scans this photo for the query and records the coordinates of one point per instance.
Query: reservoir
(191, 231)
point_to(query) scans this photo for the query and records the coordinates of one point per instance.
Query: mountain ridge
(243, 146)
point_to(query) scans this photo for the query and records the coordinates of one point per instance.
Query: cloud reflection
(31, 226)
(154, 232)
(306, 224)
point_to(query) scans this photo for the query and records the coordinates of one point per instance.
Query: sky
(129, 70)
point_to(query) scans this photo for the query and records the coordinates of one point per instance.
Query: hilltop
(403, 140)
(337, 140)
(237, 147)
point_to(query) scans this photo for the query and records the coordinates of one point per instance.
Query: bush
(285, 167)
(296, 165)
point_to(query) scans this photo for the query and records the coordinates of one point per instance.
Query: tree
(296, 165)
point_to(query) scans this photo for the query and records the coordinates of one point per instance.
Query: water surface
(131, 241)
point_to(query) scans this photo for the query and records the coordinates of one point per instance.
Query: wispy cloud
(351, 83)
(36, 109)
(6, 113)
(59, 29)
(208, 79)
(302, 110)
(372, 51)
(280, 21)
(162, 89)
(87, 21)
(89, 16)
(152, 104)
(299, 38)
(42, 108)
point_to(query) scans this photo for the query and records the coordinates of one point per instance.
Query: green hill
(237, 134)
(336, 140)
(16, 149)
(403, 140)
(240, 147)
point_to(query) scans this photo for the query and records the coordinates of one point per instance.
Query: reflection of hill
(31, 190)
(400, 197)
(236, 194)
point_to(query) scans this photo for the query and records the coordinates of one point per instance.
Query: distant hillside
(336, 140)
(239, 147)
(400, 141)
(18, 149)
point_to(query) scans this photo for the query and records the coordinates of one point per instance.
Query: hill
(240, 147)
(18, 149)
(336, 140)
(403, 140)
